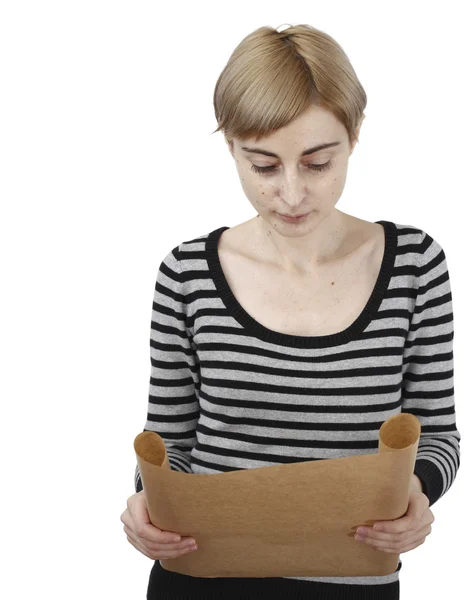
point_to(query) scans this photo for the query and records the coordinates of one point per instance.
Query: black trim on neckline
(264, 333)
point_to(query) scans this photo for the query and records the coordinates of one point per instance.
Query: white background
(108, 162)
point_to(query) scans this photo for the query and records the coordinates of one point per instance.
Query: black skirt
(167, 585)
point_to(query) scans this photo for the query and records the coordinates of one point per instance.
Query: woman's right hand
(155, 543)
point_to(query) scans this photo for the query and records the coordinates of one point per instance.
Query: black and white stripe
(227, 393)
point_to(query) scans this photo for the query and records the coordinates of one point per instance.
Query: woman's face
(293, 183)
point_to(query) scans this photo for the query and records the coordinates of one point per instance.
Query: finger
(143, 526)
(156, 554)
(400, 541)
(155, 546)
(392, 527)
(387, 537)
(128, 522)
(137, 542)
(138, 545)
(403, 549)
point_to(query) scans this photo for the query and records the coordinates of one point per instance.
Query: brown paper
(288, 520)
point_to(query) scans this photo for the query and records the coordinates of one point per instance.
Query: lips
(293, 219)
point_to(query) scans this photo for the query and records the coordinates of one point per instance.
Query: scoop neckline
(251, 326)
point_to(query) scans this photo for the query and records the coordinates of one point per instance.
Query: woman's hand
(151, 541)
(407, 532)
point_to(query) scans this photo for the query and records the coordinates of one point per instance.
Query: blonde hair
(272, 77)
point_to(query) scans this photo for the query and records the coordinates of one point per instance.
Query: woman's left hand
(407, 532)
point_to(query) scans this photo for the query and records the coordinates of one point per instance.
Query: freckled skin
(293, 187)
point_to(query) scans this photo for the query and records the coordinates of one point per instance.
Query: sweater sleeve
(173, 407)
(428, 379)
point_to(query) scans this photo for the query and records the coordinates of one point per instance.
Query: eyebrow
(304, 153)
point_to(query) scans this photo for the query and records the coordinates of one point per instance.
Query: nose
(292, 190)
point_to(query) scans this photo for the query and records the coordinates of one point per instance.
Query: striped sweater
(227, 393)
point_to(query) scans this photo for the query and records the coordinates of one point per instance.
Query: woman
(285, 339)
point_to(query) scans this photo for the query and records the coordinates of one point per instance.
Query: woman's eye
(272, 168)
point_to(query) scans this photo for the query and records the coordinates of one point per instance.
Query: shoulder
(417, 240)
(423, 255)
(185, 250)
(187, 257)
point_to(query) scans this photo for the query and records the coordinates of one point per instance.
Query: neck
(305, 253)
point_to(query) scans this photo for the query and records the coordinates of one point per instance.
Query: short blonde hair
(273, 76)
